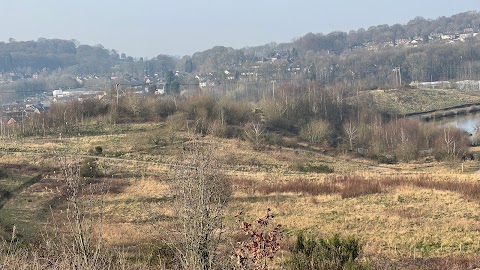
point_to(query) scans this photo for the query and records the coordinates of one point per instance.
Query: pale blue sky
(148, 28)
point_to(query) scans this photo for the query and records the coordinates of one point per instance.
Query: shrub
(201, 193)
(329, 254)
(226, 131)
(161, 137)
(98, 150)
(164, 107)
(385, 159)
(318, 131)
(308, 168)
(235, 112)
(177, 122)
(233, 132)
(163, 256)
(89, 168)
(272, 138)
(273, 112)
(201, 107)
(3, 173)
(262, 244)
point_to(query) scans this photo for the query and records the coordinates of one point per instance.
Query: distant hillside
(338, 42)
(28, 57)
(446, 48)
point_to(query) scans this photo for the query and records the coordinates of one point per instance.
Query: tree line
(74, 58)
(320, 115)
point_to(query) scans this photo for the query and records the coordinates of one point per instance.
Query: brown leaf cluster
(262, 244)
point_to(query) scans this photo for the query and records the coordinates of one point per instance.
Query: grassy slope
(417, 100)
(401, 222)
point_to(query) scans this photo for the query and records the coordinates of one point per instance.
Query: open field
(401, 212)
(407, 101)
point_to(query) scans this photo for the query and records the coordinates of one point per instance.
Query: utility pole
(398, 76)
(116, 86)
(23, 122)
(273, 90)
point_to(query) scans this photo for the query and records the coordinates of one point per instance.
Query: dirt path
(7, 195)
(369, 166)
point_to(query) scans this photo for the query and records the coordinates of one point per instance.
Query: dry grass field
(418, 100)
(402, 213)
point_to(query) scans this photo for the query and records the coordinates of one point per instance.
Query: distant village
(468, 33)
(15, 111)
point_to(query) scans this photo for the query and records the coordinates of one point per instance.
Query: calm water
(470, 122)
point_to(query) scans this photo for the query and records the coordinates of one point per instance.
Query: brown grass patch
(467, 189)
(435, 263)
(355, 186)
(346, 186)
(245, 185)
(351, 186)
(47, 184)
(300, 186)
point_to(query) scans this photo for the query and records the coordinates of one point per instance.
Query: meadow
(414, 100)
(405, 215)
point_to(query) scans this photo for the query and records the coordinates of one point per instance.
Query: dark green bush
(385, 159)
(236, 112)
(98, 150)
(229, 132)
(161, 136)
(165, 107)
(200, 106)
(7, 194)
(3, 173)
(89, 168)
(333, 253)
(308, 168)
(272, 138)
(440, 155)
(163, 256)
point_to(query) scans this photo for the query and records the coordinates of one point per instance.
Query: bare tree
(133, 103)
(201, 196)
(452, 142)
(82, 245)
(254, 132)
(449, 140)
(350, 130)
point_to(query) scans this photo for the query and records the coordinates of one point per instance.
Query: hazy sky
(148, 27)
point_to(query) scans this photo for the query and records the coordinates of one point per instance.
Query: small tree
(262, 244)
(351, 133)
(172, 85)
(80, 243)
(317, 131)
(134, 104)
(201, 195)
(254, 132)
(89, 168)
(451, 142)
